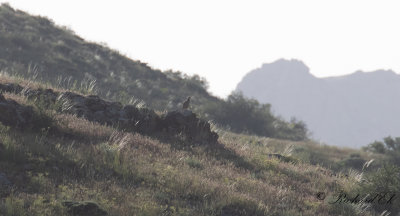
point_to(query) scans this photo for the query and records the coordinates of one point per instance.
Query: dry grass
(33, 84)
(131, 174)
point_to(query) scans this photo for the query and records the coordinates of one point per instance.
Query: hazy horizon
(93, 122)
(351, 110)
(216, 39)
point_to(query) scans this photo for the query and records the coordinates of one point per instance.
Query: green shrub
(386, 180)
(390, 147)
(13, 206)
(194, 163)
(242, 114)
(353, 161)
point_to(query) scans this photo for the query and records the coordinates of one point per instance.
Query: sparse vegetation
(246, 115)
(61, 163)
(34, 48)
(390, 147)
(130, 174)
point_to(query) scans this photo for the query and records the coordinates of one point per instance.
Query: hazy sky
(223, 40)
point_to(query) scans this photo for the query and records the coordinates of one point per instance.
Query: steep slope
(351, 110)
(35, 48)
(55, 166)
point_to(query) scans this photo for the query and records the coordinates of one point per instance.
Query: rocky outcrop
(193, 128)
(96, 109)
(140, 120)
(5, 185)
(128, 118)
(4, 180)
(90, 107)
(45, 96)
(10, 87)
(2, 149)
(14, 114)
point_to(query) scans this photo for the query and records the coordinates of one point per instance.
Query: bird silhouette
(186, 103)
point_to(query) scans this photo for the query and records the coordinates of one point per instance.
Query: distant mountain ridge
(350, 110)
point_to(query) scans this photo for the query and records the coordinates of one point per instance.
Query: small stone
(5, 185)
(4, 180)
(14, 114)
(28, 167)
(84, 208)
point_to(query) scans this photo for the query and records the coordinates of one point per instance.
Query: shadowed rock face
(10, 87)
(91, 107)
(14, 114)
(129, 118)
(352, 110)
(140, 120)
(187, 122)
(4, 180)
(5, 185)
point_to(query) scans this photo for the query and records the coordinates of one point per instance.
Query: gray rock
(4, 180)
(28, 167)
(14, 114)
(46, 96)
(91, 107)
(2, 149)
(5, 185)
(11, 87)
(187, 123)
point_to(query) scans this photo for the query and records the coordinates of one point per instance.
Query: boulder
(46, 96)
(5, 185)
(4, 180)
(185, 122)
(10, 87)
(90, 107)
(14, 114)
(142, 120)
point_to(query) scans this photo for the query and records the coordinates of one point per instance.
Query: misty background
(351, 110)
(224, 40)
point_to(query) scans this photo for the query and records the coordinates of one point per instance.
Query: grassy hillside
(67, 158)
(35, 48)
(53, 162)
(35, 45)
